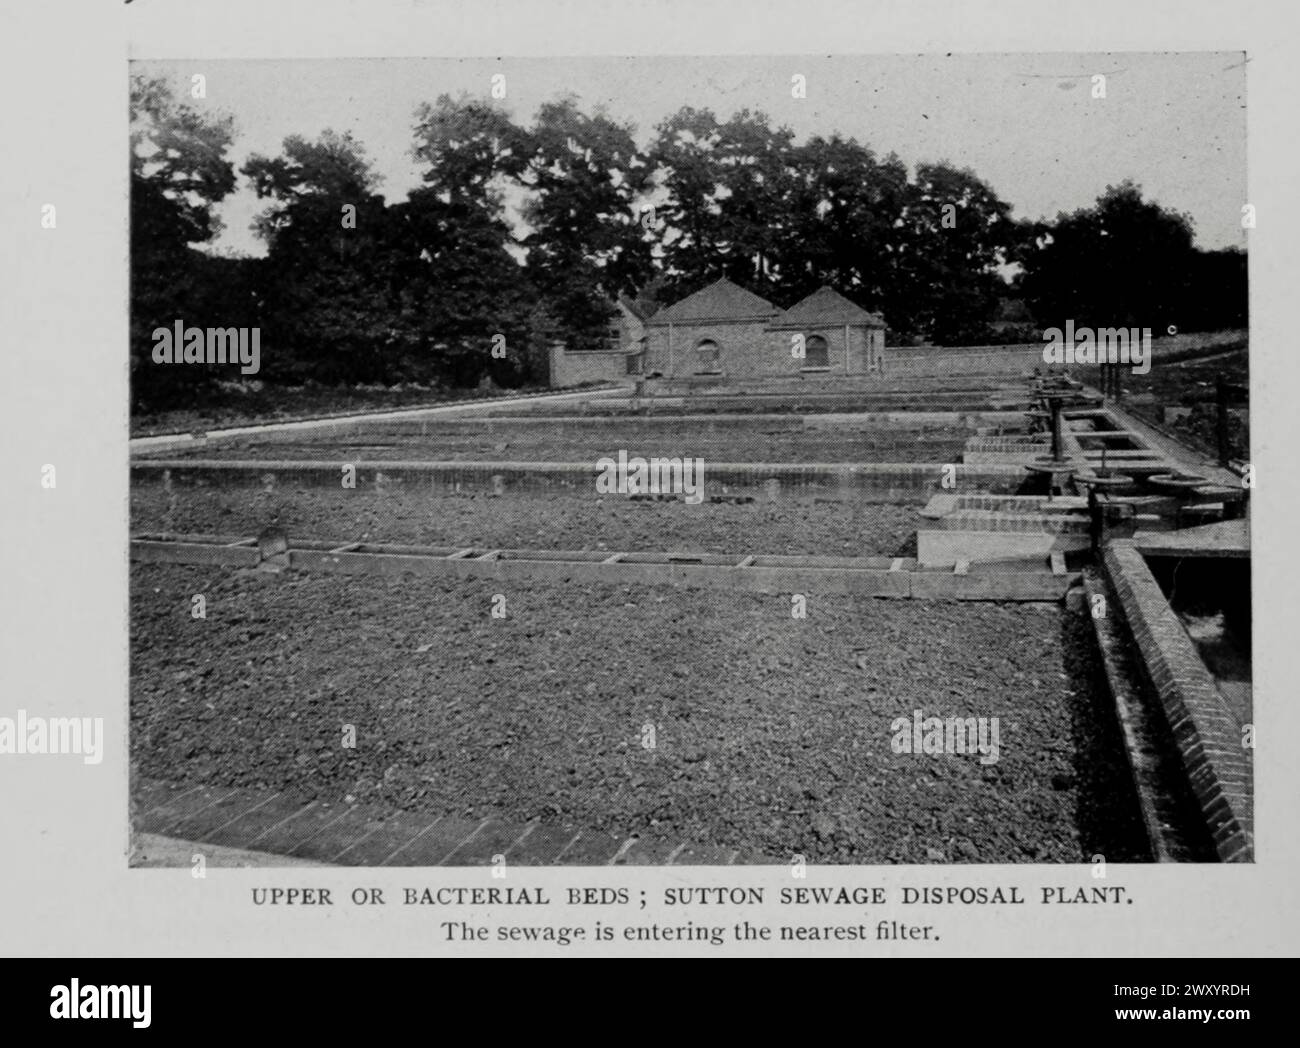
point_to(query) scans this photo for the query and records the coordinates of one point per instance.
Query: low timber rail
(899, 577)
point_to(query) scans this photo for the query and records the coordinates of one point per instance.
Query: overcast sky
(1025, 123)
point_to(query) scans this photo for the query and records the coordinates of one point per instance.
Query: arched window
(816, 354)
(708, 358)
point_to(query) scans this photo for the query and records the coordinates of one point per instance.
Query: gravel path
(544, 522)
(772, 734)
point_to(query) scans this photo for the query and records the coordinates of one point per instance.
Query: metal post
(1056, 428)
(1221, 418)
(1096, 529)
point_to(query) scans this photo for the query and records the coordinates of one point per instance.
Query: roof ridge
(827, 305)
(723, 299)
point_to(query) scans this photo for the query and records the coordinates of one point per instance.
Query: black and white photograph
(775, 460)
(550, 479)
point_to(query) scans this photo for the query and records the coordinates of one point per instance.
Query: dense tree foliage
(328, 305)
(727, 211)
(1123, 262)
(585, 245)
(179, 170)
(848, 207)
(521, 236)
(463, 286)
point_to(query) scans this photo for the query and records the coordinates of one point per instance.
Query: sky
(1027, 124)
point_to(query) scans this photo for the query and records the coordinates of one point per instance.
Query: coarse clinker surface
(515, 522)
(771, 734)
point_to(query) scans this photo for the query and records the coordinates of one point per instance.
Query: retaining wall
(1208, 736)
(892, 481)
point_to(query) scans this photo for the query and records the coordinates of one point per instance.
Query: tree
(1123, 262)
(457, 264)
(586, 245)
(953, 235)
(472, 149)
(743, 201)
(847, 212)
(1215, 296)
(459, 289)
(328, 290)
(179, 171)
(729, 191)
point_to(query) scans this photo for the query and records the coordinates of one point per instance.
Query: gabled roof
(826, 307)
(631, 306)
(721, 300)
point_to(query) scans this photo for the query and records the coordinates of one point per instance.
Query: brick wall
(861, 349)
(754, 350)
(865, 481)
(1023, 358)
(572, 369)
(1208, 737)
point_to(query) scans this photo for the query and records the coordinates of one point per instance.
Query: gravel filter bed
(261, 403)
(939, 444)
(543, 522)
(772, 734)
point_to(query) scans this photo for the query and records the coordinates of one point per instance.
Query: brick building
(618, 360)
(726, 332)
